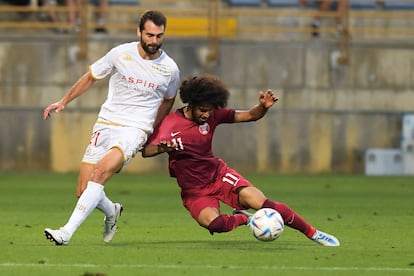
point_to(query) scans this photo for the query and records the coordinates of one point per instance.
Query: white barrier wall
(407, 143)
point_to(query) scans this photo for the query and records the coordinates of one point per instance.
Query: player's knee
(101, 174)
(251, 197)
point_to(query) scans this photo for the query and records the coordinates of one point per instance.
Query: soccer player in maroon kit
(186, 135)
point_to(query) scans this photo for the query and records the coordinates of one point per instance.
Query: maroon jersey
(193, 163)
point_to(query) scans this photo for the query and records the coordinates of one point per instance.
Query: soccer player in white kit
(142, 89)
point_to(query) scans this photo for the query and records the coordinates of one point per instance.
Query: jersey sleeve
(103, 66)
(152, 140)
(225, 115)
(157, 135)
(173, 85)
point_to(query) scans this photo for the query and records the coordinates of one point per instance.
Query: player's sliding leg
(226, 223)
(244, 213)
(295, 221)
(325, 239)
(206, 211)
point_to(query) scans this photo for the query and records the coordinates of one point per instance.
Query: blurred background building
(345, 94)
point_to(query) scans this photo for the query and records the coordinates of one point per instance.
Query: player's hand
(268, 98)
(166, 146)
(57, 107)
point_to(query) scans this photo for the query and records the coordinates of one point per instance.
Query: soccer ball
(266, 224)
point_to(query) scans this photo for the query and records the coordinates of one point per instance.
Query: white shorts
(107, 135)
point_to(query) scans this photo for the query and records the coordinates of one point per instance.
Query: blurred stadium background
(341, 93)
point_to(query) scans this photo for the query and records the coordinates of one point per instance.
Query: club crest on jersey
(204, 129)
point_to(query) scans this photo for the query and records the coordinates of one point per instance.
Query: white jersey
(136, 87)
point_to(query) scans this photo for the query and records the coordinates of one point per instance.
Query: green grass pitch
(373, 217)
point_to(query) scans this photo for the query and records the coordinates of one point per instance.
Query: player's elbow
(148, 151)
(144, 154)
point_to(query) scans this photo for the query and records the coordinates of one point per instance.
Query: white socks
(106, 206)
(87, 202)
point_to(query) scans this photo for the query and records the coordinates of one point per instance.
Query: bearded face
(151, 38)
(150, 48)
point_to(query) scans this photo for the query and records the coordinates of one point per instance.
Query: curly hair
(204, 89)
(157, 17)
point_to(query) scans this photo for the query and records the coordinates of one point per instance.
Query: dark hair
(157, 17)
(204, 89)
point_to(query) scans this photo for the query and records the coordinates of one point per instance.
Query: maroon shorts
(224, 190)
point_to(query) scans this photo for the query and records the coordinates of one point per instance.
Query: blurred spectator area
(236, 19)
(248, 20)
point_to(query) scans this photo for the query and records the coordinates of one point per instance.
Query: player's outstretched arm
(152, 150)
(266, 101)
(77, 89)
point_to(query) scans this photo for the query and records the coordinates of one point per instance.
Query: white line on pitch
(211, 267)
